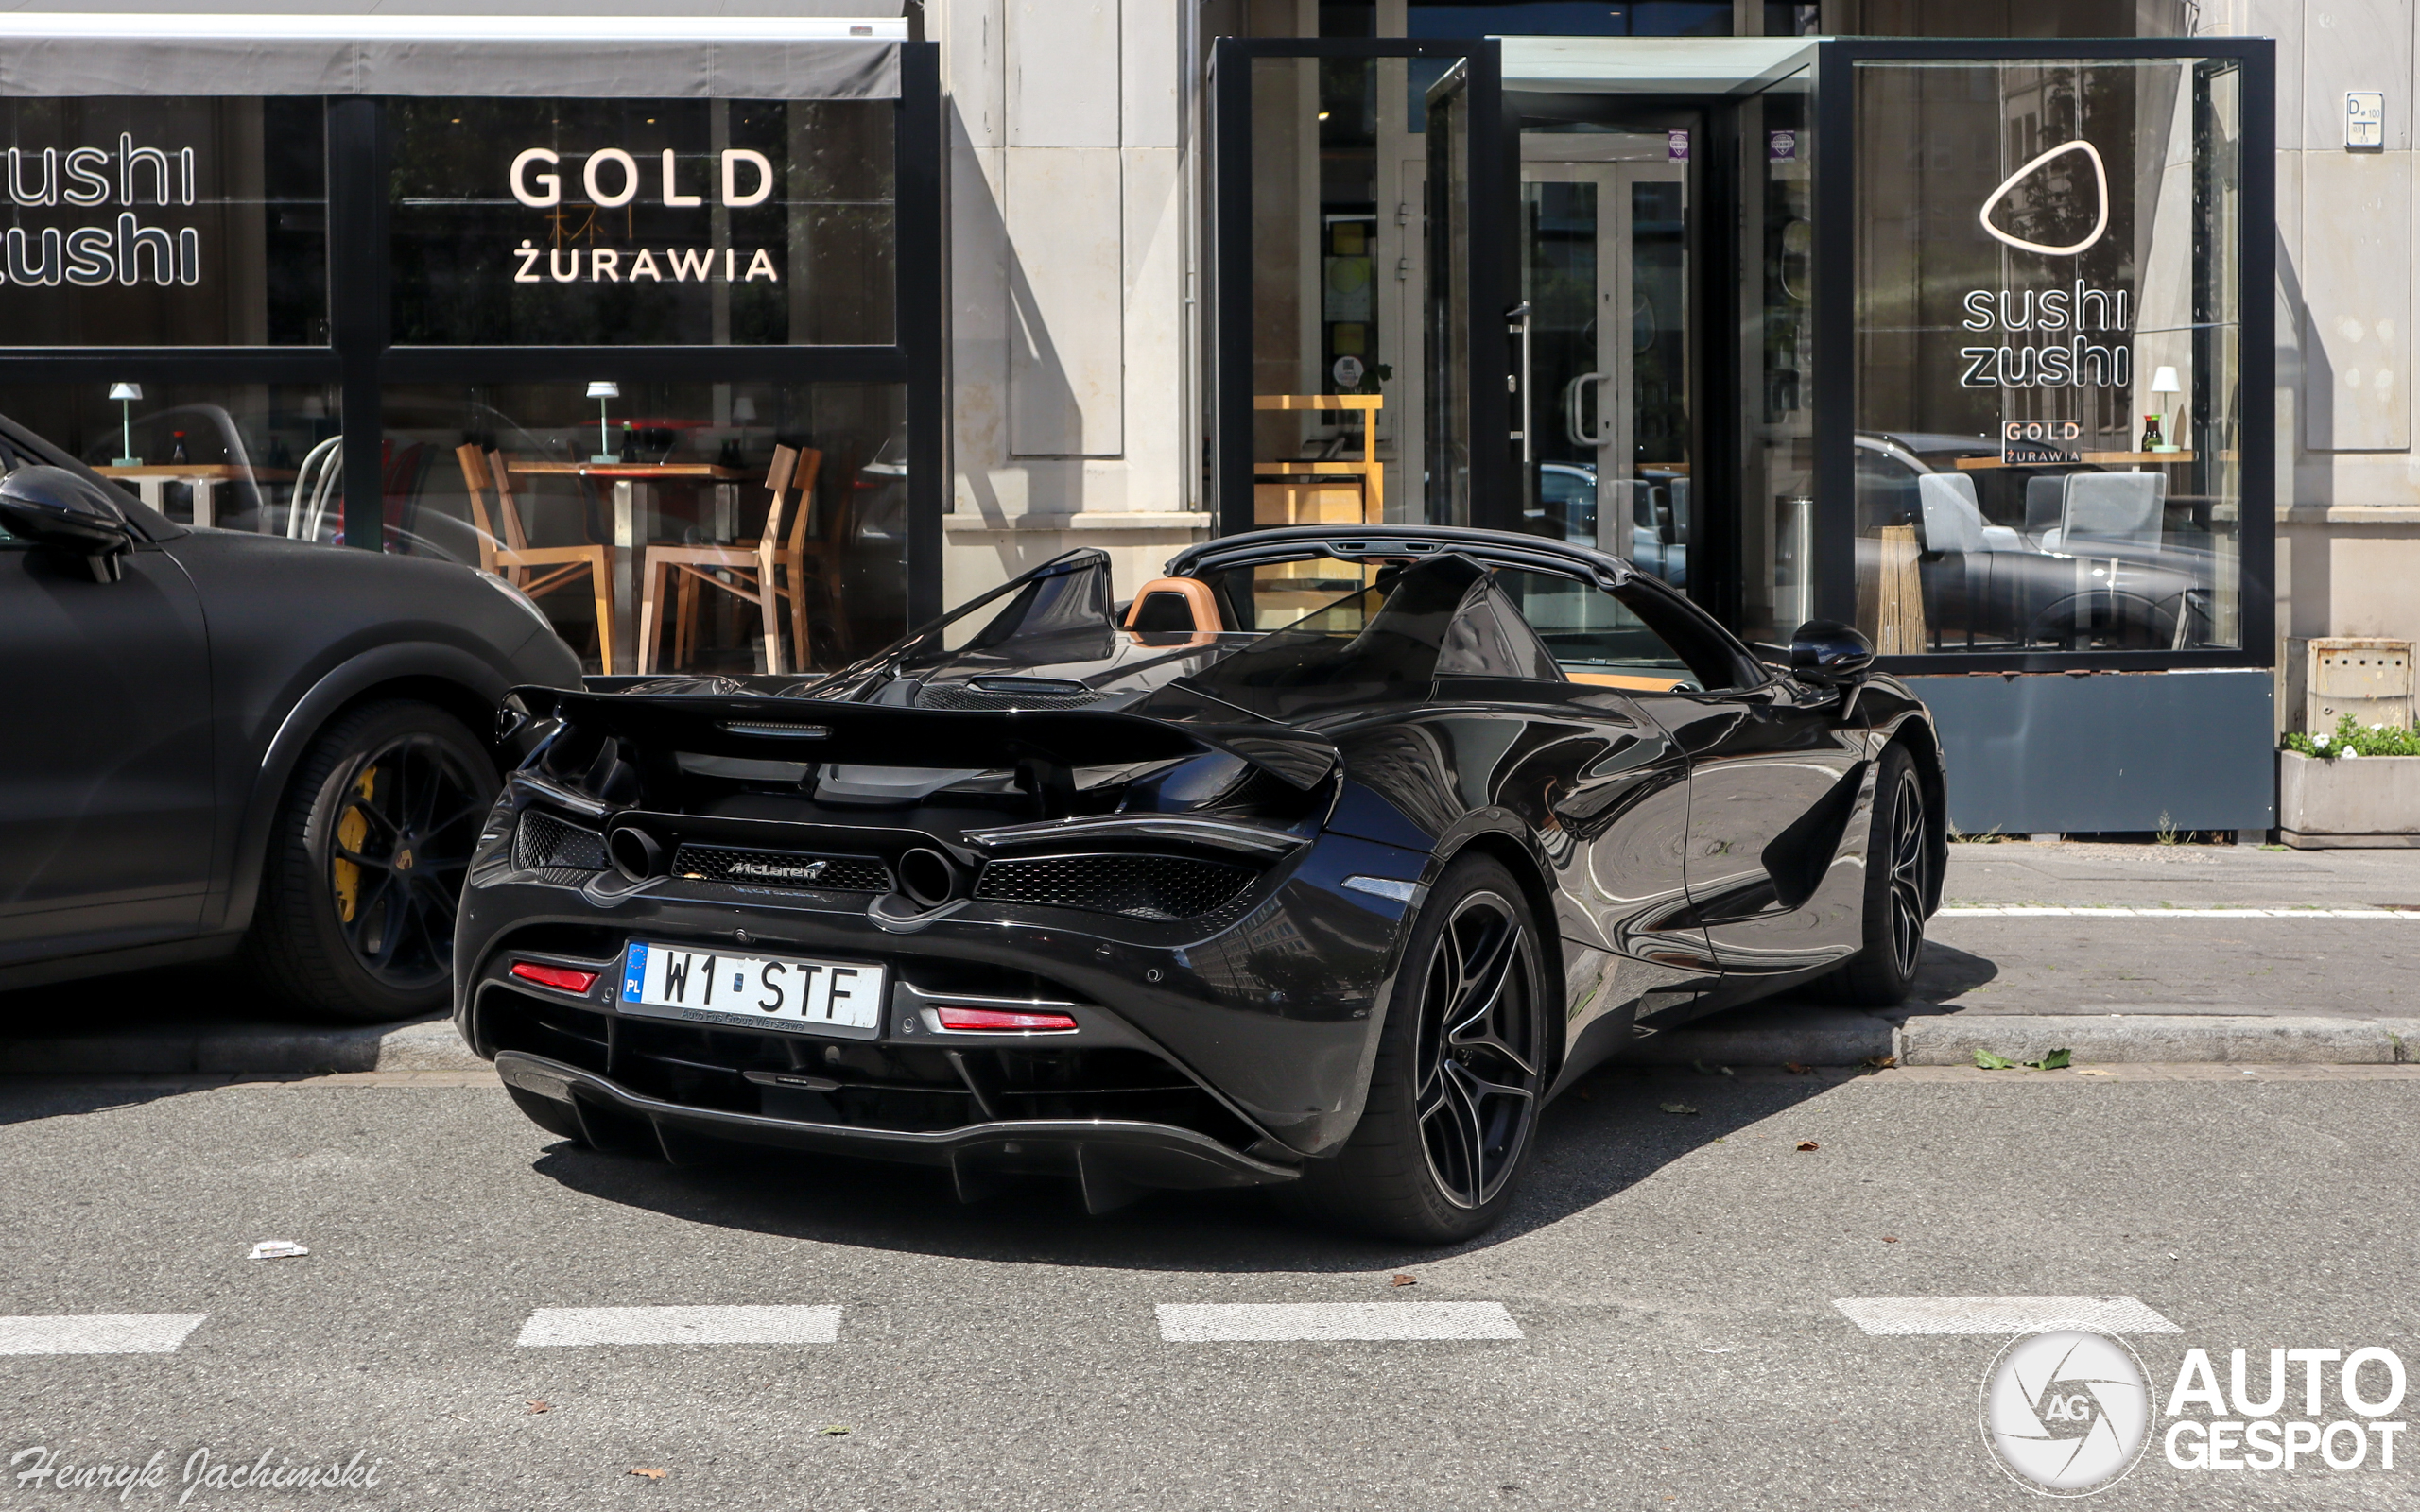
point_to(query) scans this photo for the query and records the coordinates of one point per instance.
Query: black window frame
(1834, 170)
(359, 360)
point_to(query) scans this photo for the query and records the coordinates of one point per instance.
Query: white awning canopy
(571, 55)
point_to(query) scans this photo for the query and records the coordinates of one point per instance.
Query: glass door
(1608, 441)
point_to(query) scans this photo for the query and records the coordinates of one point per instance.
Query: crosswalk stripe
(98, 1332)
(1285, 1322)
(2001, 1315)
(2113, 911)
(550, 1326)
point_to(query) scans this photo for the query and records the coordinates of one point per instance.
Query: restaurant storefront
(539, 298)
(1966, 343)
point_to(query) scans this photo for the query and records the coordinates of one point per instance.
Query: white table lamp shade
(126, 391)
(2163, 381)
(600, 388)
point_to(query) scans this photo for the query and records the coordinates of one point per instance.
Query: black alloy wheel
(408, 820)
(1899, 857)
(364, 870)
(1910, 873)
(1464, 1056)
(1478, 1087)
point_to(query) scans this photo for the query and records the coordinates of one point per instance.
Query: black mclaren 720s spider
(1320, 865)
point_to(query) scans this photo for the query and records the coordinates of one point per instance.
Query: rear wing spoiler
(1181, 725)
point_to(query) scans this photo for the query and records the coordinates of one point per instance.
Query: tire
(1451, 1118)
(1898, 891)
(365, 865)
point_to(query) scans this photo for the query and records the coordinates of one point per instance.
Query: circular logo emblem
(2067, 1414)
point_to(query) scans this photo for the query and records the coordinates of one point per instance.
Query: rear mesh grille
(1141, 886)
(560, 851)
(781, 869)
(966, 695)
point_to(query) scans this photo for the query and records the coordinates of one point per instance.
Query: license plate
(793, 994)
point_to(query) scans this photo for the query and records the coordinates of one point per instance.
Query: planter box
(2361, 800)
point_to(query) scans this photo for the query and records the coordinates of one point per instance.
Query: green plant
(2351, 739)
(2166, 829)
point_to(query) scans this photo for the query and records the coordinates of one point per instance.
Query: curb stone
(427, 1045)
(2162, 1037)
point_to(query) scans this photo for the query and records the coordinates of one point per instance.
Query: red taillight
(998, 1021)
(561, 978)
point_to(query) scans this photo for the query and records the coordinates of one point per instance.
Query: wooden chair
(754, 567)
(534, 570)
(820, 557)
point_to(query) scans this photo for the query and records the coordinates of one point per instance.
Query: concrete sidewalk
(2225, 959)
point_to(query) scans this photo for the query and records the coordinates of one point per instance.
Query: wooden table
(1293, 480)
(152, 480)
(634, 523)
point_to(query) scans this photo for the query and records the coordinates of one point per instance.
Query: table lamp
(126, 394)
(601, 390)
(2163, 381)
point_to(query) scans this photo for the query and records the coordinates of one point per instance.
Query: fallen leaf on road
(1676, 1107)
(651, 1474)
(1890, 1239)
(1808, 1145)
(2086, 1071)
(2055, 1061)
(1797, 1070)
(1405, 1281)
(834, 1431)
(1991, 1062)
(276, 1249)
(540, 1406)
(1882, 1062)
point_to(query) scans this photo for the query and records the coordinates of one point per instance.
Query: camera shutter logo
(2066, 1413)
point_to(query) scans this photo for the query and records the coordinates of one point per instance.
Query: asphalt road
(1672, 1278)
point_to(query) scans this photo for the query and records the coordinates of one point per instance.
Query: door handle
(1516, 324)
(1572, 428)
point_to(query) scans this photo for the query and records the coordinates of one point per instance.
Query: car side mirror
(54, 507)
(1831, 653)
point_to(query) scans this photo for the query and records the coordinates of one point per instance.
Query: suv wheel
(365, 862)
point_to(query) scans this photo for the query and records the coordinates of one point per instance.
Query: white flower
(2350, 754)
(2318, 740)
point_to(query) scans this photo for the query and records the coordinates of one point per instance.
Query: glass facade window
(2048, 405)
(163, 222)
(664, 222)
(1776, 521)
(256, 456)
(676, 469)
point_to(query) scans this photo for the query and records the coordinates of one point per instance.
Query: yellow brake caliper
(350, 830)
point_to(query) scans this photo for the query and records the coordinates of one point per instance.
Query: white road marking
(1276, 1322)
(98, 1333)
(2001, 1315)
(681, 1325)
(2091, 911)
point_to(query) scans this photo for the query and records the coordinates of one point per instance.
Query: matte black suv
(223, 742)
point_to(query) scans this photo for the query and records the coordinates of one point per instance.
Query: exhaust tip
(635, 853)
(928, 878)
